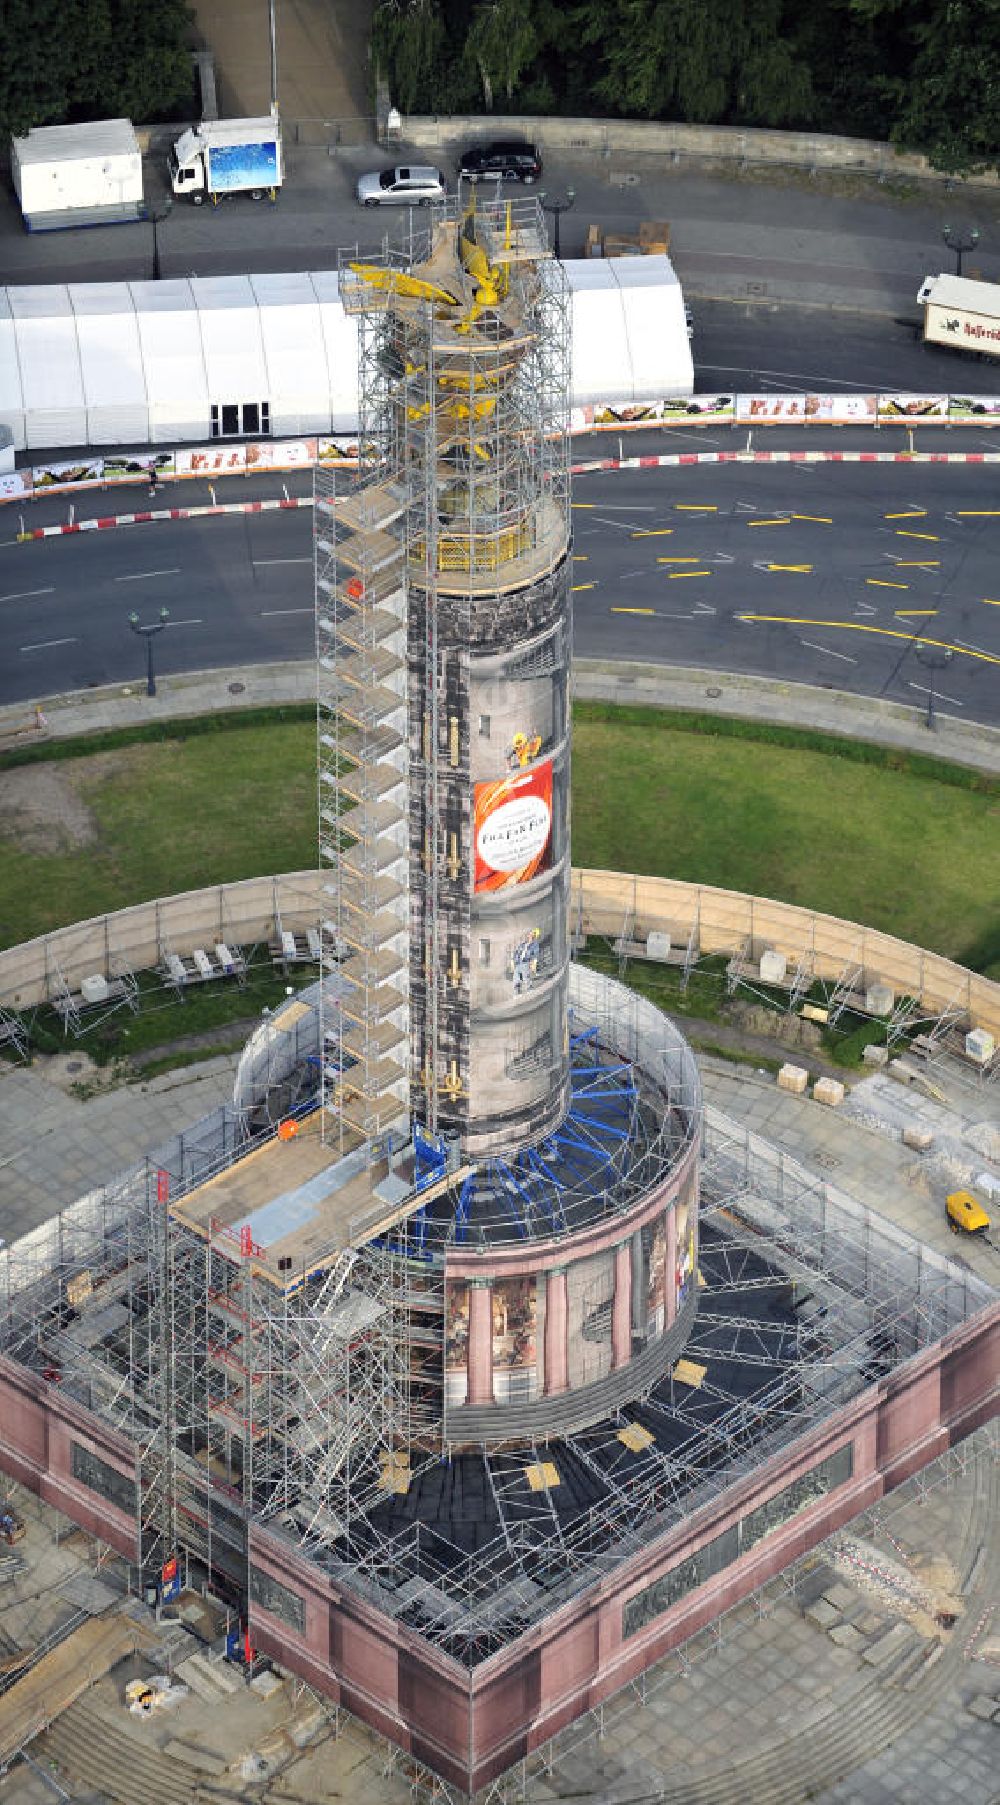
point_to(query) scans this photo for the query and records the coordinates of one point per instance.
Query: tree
(408, 42)
(92, 59)
(501, 43)
(36, 64)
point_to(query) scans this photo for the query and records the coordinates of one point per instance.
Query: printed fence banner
(211, 460)
(281, 454)
(15, 483)
(83, 473)
(132, 466)
(913, 410)
(807, 410)
(341, 449)
(974, 410)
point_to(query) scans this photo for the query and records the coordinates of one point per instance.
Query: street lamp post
(933, 658)
(960, 242)
(148, 632)
(557, 207)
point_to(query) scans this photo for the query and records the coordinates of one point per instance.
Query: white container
(773, 967)
(94, 989)
(879, 999)
(979, 1045)
(988, 1184)
(68, 175)
(657, 945)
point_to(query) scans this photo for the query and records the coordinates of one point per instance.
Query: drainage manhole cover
(75, 1065)
(714, 691)
(237, 689)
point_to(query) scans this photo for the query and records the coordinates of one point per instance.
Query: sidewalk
(595, 680)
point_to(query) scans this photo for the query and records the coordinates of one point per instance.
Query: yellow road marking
(785, 521)
(978, 513)
(633, 610)
(578, 586)
(803, 569)
(583, 504)
(989, 602)
(847, 626)
(917, 563)
(676, 560)
(653, 532)
(820, 519)
(911, 613)
(880, 583)
(917, 514)
(901, 533)
(581, 557)
(676, 575)
(696, 507)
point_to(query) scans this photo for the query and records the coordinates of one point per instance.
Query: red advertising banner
(513, 827)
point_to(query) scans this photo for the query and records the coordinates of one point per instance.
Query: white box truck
(228, 156)
(78, 175)
(961, 313)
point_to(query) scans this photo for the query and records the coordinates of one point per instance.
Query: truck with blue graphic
(228, 156)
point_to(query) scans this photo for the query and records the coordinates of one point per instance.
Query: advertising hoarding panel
(513, 827)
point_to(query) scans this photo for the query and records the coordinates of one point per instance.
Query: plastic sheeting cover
(629, 334)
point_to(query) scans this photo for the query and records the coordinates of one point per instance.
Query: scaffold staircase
(363, 823)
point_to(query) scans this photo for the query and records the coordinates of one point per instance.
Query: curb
(788, 457)
(106, 520)
(627, 684)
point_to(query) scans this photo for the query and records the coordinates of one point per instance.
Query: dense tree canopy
(65, 60)
(924, 73)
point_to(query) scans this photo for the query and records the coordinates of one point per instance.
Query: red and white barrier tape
(668, 460)
(676, 458)
(106, 520)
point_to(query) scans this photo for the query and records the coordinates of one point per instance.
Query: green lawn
(905, 849)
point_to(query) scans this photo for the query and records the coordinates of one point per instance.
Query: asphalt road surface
(883, 580)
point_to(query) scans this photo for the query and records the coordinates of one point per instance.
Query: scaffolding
(459, 512)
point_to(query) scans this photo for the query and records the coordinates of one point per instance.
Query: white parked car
(414, 187)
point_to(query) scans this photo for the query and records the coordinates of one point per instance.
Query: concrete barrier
(814, 151)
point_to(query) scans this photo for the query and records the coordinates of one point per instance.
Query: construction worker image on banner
(524, 961)
(524, 748)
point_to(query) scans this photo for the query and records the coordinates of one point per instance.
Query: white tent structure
(192, 359)
(629, 331)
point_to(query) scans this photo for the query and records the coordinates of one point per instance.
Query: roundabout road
(882, 580)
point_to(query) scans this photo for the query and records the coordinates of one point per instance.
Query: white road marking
(23, 595)
(266, 613)
(261, 561)
(939, 693)
(863, 608)
(967, 646)
(624, 576)
(139, 576)
(813, 647)
(44, 644)
(196, 622)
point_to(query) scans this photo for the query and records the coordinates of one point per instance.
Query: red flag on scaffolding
(162, 1186)
(246, 1238)
(247, 1650)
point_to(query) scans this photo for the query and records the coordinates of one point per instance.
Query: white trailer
(228, 156)
(78, 175)
(961, 313)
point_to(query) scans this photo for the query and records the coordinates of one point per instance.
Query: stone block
(983, 1707)
(773, 967)
(829, 1091)
(879, 999)
(875, 1056)
(979, 1045)
(920, 1139)
(657, 945)
(793, 1078)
